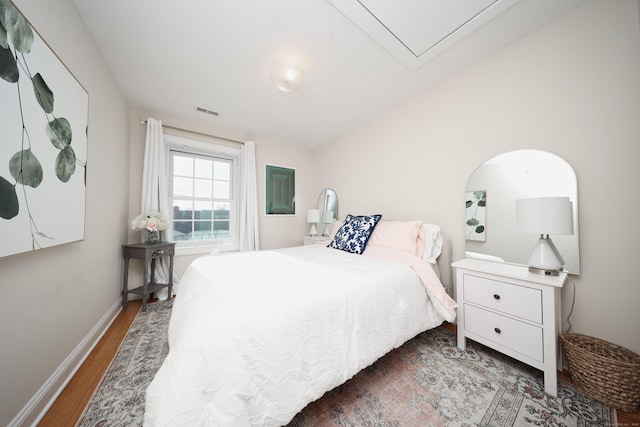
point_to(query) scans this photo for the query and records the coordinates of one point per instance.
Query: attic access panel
(415, 31)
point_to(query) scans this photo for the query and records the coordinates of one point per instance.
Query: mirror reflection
(328, 207)
(492, 191)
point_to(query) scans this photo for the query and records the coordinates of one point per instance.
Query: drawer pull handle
(496, 296)
(498, 331)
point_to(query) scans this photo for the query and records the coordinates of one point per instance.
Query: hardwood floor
(67, 409)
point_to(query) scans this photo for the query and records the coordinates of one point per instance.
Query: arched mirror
(328, 201)
(492, 191)
(328, 207)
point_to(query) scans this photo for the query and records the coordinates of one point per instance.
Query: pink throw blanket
(442, 302)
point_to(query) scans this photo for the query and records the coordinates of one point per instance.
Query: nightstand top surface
(512, 271)
(147, 245)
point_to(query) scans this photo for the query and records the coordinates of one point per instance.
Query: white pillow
(432, 241)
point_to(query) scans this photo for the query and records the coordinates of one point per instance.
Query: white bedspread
(254, 337)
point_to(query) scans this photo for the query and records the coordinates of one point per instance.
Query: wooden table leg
(169, 291)
(125, 281)
(145, 284)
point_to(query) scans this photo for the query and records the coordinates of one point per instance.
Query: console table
(148, 252)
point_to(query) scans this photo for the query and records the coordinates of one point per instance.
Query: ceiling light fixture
(286, 76)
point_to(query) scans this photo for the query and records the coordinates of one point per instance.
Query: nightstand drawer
(518, 336)
(508, 298)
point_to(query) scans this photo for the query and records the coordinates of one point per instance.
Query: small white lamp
(313, 216)
(327, 218)
(545, 216)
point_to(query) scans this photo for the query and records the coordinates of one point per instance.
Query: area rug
(119, 398)
(426, 382)
(430, 382)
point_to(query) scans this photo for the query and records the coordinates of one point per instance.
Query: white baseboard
(39, 404)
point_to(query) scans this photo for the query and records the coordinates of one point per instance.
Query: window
(203, 194)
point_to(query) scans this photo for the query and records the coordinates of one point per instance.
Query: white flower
(152, 221)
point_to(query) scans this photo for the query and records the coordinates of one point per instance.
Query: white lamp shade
(327, 217)
(313, 215)
(545, 215)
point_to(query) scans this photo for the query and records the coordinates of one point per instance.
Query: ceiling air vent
(206, 111)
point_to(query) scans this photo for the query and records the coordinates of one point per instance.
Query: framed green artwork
(43, 154)
(280, 194)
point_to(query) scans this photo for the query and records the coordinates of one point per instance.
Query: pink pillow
(400, 235)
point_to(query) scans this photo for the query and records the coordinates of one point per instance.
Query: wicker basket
(604, 371)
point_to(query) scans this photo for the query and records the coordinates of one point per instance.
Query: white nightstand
(314, 240)
(513, 311)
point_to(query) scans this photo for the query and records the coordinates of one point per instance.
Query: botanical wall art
(280, 190)
(476, 217)
(43, 142)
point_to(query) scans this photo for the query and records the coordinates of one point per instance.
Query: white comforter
(254, 337)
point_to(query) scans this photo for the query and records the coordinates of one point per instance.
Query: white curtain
(249, 239)
(155, 193)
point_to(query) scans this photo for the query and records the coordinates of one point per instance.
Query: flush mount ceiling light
(286, 76)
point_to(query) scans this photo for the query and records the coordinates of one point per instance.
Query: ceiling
(172, 57)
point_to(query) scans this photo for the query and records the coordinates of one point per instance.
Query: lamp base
(544, 272)
(545, 258)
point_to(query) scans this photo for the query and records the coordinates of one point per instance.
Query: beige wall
(58, 295)
(52, 298)
(275, 231)
(572, 88)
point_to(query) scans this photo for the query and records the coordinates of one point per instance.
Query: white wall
(275, 231)
(53, 297)
(571, 88)
(56, 296)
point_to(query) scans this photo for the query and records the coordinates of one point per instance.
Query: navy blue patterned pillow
(354, 233)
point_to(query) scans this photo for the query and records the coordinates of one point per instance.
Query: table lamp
(545, 216)
(327, 219)
(313, 216)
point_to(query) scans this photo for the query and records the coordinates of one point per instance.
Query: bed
(256, 336)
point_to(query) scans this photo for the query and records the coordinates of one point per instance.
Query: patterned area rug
(426, 382)
(119, 398)
(430, 382)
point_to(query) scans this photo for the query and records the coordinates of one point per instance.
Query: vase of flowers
(153, 236)
(153, 223)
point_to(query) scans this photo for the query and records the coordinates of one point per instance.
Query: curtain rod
(144, 122)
